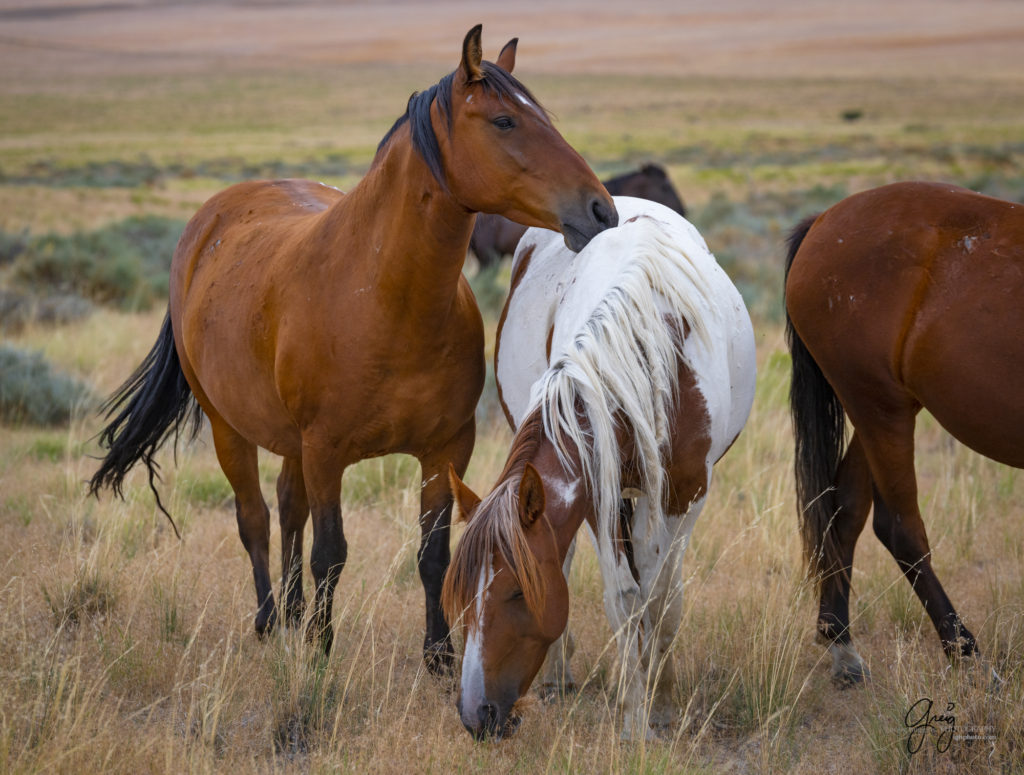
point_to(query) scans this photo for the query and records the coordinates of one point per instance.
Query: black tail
(819, 426)
(153, 403)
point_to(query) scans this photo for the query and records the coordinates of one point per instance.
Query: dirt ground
(780, 38)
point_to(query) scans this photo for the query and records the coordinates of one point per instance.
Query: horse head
(651, 182)
(503, 155)
(506, 583)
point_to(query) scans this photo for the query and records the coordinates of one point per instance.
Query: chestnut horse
(329, 328)
(898, 298)
(495, 236)
(626, 371)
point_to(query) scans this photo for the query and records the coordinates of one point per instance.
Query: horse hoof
(322, 635)
(293, 615)
(848, 668)
(439, 657)
(978, 672)
(439, 660)
(266, 621)
(550, 691)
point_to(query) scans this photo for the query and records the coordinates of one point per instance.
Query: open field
(126, 650)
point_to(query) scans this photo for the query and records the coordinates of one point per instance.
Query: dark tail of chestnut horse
(819, 426)
(153, 403)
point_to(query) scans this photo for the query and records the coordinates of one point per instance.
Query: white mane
(620, 363)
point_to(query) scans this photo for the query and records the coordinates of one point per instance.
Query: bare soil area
(783, 38)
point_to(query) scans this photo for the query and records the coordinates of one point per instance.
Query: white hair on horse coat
(621, 361)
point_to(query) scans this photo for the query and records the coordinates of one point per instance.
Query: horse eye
(517, 595)
(504, 123)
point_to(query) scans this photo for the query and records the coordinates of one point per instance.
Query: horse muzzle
(489, 720)
(584, 223)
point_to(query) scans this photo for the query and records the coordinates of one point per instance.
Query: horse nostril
(488, 715)
(603, 214)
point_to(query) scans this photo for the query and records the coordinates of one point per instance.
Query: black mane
(495, 81)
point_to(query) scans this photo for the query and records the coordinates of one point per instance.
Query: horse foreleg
(322, 475)
(898, 525)
(658, 551)
(435, 553)
(293, 506)
(555, 675)
(622, 606)
(853, 495)
(238, 460)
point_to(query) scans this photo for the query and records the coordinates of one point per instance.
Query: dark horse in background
(329, 328)
(495, 236)
(906, 296)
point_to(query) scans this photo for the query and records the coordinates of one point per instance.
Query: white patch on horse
(473, 691)
(566, 491)
(528, 103)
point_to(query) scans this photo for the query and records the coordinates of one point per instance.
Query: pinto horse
(495, 236)
(329, 328)
(626, 371)
(898, 298)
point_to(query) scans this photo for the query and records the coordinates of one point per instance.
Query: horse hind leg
(853, 500)
(238, 460)
(322, 476)
(293, 506)
(898, 525)
(435, 552)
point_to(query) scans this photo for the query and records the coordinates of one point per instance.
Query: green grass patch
(206, 489)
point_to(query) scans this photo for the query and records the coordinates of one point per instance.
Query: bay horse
(495, 236)
(898, 298)
(626, 371)
(330, 328)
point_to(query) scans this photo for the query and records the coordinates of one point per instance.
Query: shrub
(125, 264)
(32, 392)
(18, 309)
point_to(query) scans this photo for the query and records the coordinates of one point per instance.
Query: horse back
(258, 216)
(554, 292)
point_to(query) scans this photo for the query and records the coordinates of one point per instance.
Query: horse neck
(416, 233)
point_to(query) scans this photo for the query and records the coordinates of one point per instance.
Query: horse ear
(472, 55)
(507, 57)
(465, 500)
(531, 497)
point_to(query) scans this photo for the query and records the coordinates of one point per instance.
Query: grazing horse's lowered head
(520, 557)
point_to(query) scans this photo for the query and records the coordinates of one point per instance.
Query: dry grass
(126, 650)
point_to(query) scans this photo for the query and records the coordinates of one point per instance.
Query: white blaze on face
(473, 693)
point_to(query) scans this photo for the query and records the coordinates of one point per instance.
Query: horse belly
(230, 378)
